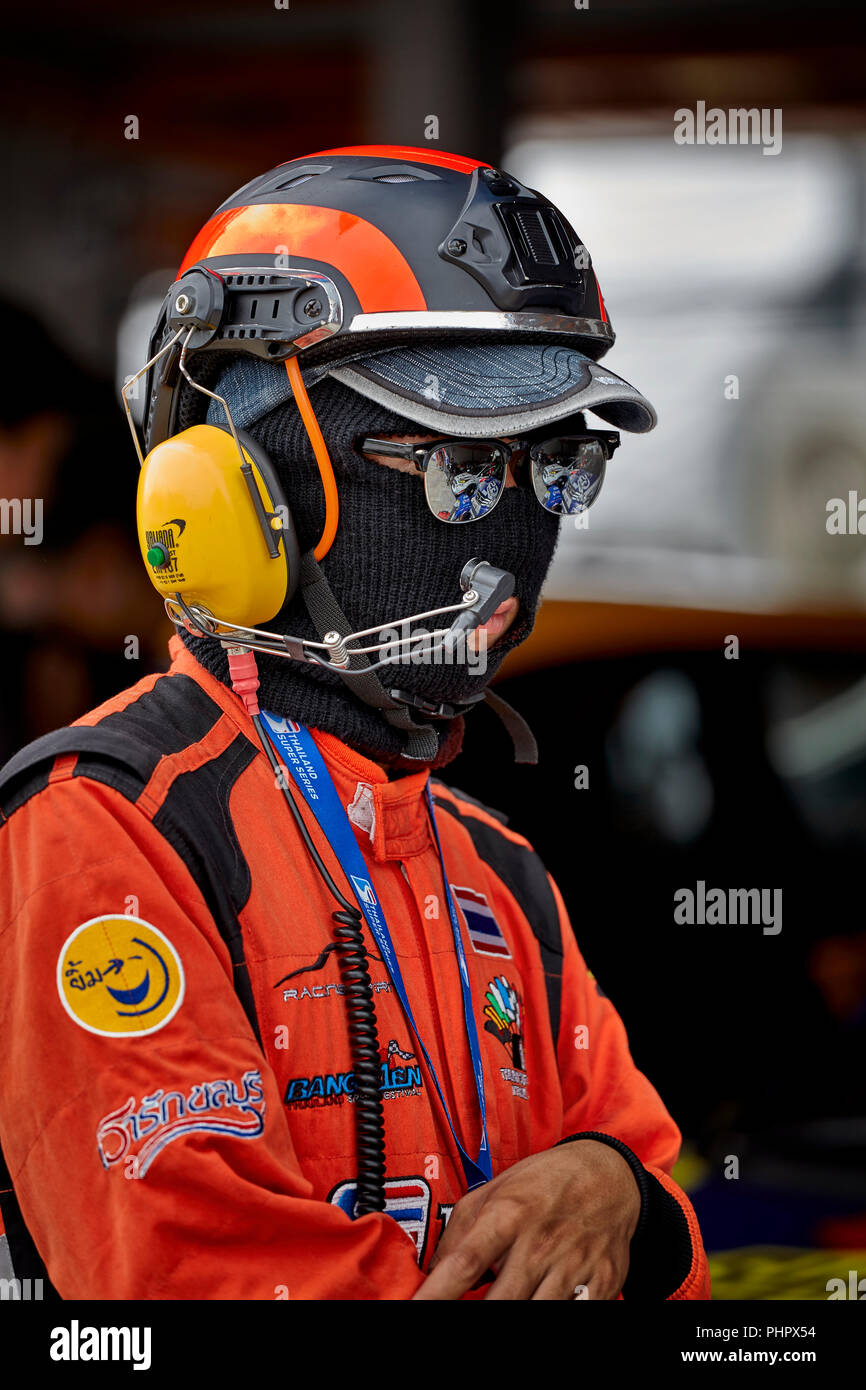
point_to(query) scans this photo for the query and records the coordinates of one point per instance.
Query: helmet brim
(477, 390)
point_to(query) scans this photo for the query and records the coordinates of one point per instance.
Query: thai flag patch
(407, 1200)
(484, 930)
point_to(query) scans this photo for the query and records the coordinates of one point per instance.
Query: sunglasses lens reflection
(463, 482)
(567, 474)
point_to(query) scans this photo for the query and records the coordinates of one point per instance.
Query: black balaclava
(391, 558)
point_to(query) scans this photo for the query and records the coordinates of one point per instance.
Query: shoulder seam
(133, 752)
(471, 810)
(465, 797)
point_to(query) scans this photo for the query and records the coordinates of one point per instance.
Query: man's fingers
(595, 1281)
(557, 1286)
(461, 1268)
(460, 1223)
(520, 1274)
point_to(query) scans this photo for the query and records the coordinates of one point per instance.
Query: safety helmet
(345, 253)
(437, 286)
(461, 482)
(552, 472)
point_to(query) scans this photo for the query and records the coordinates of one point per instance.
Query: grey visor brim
(610, 397)
(469, 389)
(494, 387)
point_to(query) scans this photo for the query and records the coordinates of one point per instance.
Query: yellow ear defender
(216, 531)
(213, 522)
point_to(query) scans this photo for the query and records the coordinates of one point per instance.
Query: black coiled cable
(361, 1011)
(367, 1063)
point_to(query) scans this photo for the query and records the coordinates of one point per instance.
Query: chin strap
(422, 740)
(525, 746)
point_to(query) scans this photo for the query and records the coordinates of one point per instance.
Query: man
(210, 1090)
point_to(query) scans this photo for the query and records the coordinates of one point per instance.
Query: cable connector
(244, 675)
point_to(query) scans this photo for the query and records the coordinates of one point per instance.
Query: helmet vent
(293, 183)
(394, 173)
(277, 181)
(532, 236)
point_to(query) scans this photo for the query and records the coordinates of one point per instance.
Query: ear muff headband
(257, 456)
(326, 470)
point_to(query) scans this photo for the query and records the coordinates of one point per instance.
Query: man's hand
(549, 1223)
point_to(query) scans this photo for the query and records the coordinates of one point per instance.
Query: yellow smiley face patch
(120, 977)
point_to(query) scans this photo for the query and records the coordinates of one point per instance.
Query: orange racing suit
(176, 1113)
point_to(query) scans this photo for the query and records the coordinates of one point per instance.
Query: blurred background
(736, 282)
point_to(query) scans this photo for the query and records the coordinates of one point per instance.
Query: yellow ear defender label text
(162, 550)
(119, 976)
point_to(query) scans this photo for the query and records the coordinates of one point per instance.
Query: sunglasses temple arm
(389, 448)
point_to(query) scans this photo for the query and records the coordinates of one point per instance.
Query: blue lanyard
(307, 766)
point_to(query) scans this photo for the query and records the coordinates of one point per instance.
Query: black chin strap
(422, 741)
(525, 746)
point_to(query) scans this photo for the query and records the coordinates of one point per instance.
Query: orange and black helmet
(347, 254)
